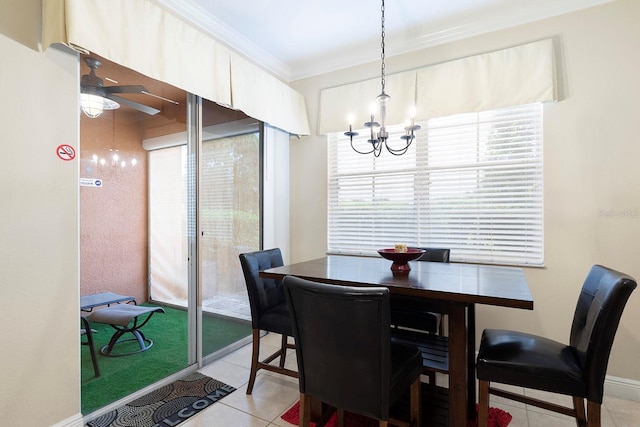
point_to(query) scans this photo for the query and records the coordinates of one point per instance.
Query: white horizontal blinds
(371, 199)
(484, 174)
(472, 183)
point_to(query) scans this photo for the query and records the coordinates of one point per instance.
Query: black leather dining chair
(345, 356)
(269, 311)
(577, 369)
(405, 312)
(413, 324)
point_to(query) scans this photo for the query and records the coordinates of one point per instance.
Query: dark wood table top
(452, 282)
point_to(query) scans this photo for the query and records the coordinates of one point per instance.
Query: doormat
(497, 418)
(169, 405)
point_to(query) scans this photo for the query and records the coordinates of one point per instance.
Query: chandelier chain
(382, 68)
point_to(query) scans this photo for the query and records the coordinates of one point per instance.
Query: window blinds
(471, 183)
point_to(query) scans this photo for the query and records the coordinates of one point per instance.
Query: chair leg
(340, 417)
(383, 423)
(483, 403)
(416, 416)
(255, 354)
(593, 414)
(283, 348)
(92, 351)
(305, 410)
(578, 406)
(90, 343)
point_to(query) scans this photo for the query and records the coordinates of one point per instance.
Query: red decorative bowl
(401, 259)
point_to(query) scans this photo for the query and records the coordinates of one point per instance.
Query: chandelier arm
(362, 152)
(377, 149)
(400, 151)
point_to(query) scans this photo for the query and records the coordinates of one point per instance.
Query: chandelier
(378, 131)
(114, 159)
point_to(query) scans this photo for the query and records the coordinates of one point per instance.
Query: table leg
(457, 366)
(471, 361)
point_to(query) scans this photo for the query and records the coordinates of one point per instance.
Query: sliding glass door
(168, 202)
(229, 207)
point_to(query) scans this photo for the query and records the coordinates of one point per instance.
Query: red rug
(497, 418)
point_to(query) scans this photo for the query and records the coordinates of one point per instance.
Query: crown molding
(357, 55)
(209, 24)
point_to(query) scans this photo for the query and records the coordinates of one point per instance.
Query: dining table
(450, 288)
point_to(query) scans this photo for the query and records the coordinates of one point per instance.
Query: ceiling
(296, 39)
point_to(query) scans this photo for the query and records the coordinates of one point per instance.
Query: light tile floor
(274, 394)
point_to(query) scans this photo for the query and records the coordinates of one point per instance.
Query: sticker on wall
(90, 182)
(66, 152)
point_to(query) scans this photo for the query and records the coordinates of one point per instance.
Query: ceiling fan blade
(124, 101)
(125, 89)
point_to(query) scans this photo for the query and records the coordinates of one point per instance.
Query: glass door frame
(194, 283)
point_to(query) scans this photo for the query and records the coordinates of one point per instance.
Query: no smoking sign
(66, 152)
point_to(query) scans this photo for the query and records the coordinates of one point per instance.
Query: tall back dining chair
(269, 311)
(407, 313)
(577, 369)
(413, 324)
(344, 350)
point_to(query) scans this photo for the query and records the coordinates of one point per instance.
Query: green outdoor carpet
(121, 376)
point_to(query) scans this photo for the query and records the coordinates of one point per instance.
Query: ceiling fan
(95, 97)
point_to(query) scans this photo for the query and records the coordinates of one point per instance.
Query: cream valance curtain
(141, 35)
(514, 76)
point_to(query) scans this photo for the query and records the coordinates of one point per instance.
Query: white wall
(591, 155)
(39, 359)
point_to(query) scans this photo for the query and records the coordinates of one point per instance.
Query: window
(470, 182)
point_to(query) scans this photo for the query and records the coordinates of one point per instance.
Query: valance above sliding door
(141, 35)
(515, 76)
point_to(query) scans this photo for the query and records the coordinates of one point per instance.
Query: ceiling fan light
(110, 104)
(93, 105)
